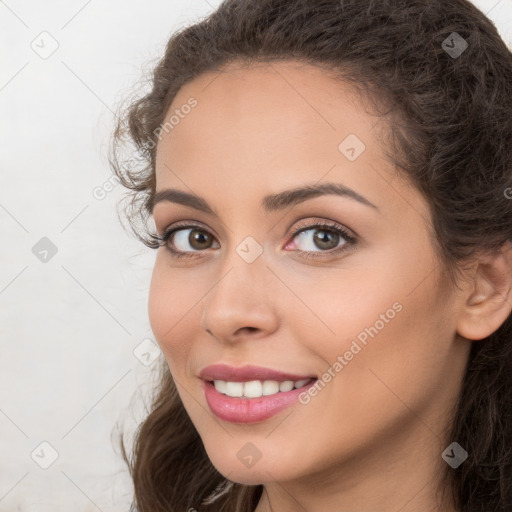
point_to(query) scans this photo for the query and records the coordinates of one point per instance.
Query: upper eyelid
(310, 225)
(316, 215)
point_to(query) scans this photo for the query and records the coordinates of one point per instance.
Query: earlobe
(489, 301)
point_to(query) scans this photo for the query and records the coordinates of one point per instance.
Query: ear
(489, 299)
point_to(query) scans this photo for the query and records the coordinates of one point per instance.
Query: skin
(372, 438)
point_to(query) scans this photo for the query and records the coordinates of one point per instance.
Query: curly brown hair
(451, 135)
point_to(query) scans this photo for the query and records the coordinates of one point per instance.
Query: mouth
(251, 394)
(237, 374)
(258, 388)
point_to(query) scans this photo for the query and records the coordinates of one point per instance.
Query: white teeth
(256, 388)
(270, 387)
(253, 389)
(220, 386)
(287, 385)
(235, 389)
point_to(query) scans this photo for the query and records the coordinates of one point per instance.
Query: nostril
(250, 329)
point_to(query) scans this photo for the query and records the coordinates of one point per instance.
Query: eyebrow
(270, 203)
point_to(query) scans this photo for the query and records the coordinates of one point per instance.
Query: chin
(264, 470)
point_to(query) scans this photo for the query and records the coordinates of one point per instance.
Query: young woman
(331, 188)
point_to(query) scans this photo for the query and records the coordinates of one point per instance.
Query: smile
(250, 394)
(257, 388)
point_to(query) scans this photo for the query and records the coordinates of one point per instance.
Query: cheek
(171, 309)
(393, 356)
(344, 305)
(160, 305)
(384, 320)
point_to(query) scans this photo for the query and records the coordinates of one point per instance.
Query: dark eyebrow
(269, 203)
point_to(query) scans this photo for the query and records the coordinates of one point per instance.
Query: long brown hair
(451, 134)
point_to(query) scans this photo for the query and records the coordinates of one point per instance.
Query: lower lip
(249, 410)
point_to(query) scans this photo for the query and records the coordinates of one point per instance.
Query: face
(342, 286)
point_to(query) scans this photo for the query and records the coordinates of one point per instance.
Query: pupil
(323, 240)
(199, 237)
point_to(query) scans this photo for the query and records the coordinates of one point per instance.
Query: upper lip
(246, 374)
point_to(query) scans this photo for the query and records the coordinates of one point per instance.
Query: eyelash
(164, 238)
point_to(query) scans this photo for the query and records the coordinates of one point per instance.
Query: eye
(187, 241)
(325, 236)
(183, 242)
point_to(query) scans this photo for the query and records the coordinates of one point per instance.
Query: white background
(69, 325)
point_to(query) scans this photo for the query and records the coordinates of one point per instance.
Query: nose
(242, 302)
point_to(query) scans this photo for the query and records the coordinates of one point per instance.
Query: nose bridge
(240, 297)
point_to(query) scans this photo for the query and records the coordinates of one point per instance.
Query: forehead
(269, 98)
(267, 127)
(253, 114)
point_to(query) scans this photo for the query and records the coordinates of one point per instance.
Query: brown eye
(321, 239)
(318, 238)
(325, 239)
(191, 239)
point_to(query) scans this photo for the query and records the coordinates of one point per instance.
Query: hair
(449, 132)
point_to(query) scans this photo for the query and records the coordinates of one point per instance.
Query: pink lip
(248, 410)
(246, 374)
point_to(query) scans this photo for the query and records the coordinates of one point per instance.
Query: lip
(249, 410)
(247, 373)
